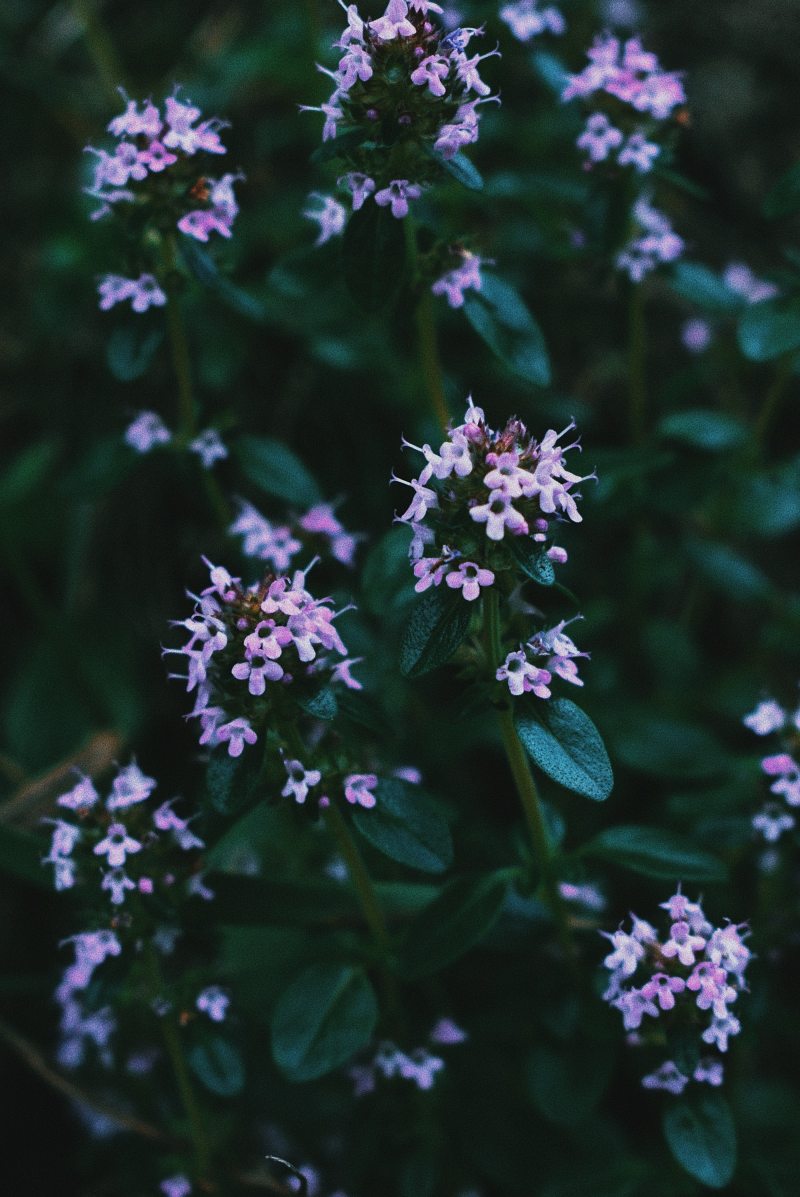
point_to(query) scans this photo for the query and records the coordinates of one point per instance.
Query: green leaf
(565, 1085)
(27, 472)
(373, 257)
(130, 351)
(498, 314)
(275, 469)
(705, 288)
(653, 852)
(729, 571)
(229, 782)
(219, 1065)
(206, 271)
(325, 1016)
(784, 198)
(702, 429)
(439, 623)
(21, 857)
(534, 560)
(462, 915)
(564, 742)
(405, 826)
(322, 705)
(701, 1135)
(463, 170)
(768, 330)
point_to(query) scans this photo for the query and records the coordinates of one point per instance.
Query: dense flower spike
(154, 179)
(782, 768)
(633, 99)
(408, 93)
(247, 646)
(692, 977)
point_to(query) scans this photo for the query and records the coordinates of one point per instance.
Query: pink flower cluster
(556, 653)
(318, 529)
(120, 840)
(770, 718)
(527, 20)
(247, 644)
(358, 787)
(419, 1066)
(656, 242)
(148, 431)
(151, 144)
(629, 79)
(411, 88)
(479, 487)
(693, 977)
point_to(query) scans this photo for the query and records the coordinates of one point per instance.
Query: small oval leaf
(439, 623)
(407, 827)
(276, 470)
(219, 1065)
(325, 1016)
(464, 912)
(498, 313)
(564, 742)
(701, 1135)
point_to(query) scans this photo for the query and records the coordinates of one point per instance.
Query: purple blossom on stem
(143, 292)
(397, 194)
(146, 432)
(331, 217)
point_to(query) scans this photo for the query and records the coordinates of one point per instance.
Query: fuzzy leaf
(498, 313)
(456, 921)
(373, 257)
(710, 430)
(463, 170)
(325, 1016)
(277, 470)
(701, 1135)
(407, 827)
(130, 351)
(705, 288)
(564, 742)
(653, 852)
(322, 705)
(439, 623)
(769, 329)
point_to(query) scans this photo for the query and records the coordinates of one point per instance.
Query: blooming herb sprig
(254, 653)
(480, 514)
(687, 981)
(406, 96)
(318, 530)
(420, 1066)
(781, 768)
(634, 104)
(155, 183)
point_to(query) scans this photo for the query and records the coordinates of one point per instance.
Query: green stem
(526, 785)
(359, 876)
(772, 402)
(637, 350)
(100, 46)
(183, 1082)
(427, 341)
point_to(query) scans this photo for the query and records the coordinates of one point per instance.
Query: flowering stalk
(637, 394)
(427, 342)
(360, 878)
(526, 783)
(179, 346)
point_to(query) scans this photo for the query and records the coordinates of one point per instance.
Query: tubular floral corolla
(154, 181)
(782, 768)
(406, 95)
(688, 981)
(482, 497)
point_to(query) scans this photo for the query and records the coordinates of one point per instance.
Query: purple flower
(129, 787)
(523, 677)
(219, 217)
(146, 432)
(236, 734)
(143, 292)
(739, 278)
(447, 1032)
(394, 23)
(299, 781)
(359, 185)
(767, 717)
(214, 1002)
(639, 153)
(397, 194)
(133, 123)
(331, 217)
(498, 514)
(772, 821)
(118, 883)
(83, 796)
(209, 448)
(469, 578)
(709, 1072)
(358, 789)
(657, 242)
(431, 71)
(117, 845)
(455, 282)
(662, 988)
(696, 335)
(599, 137)
(176, 1186)
(667, 1077)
